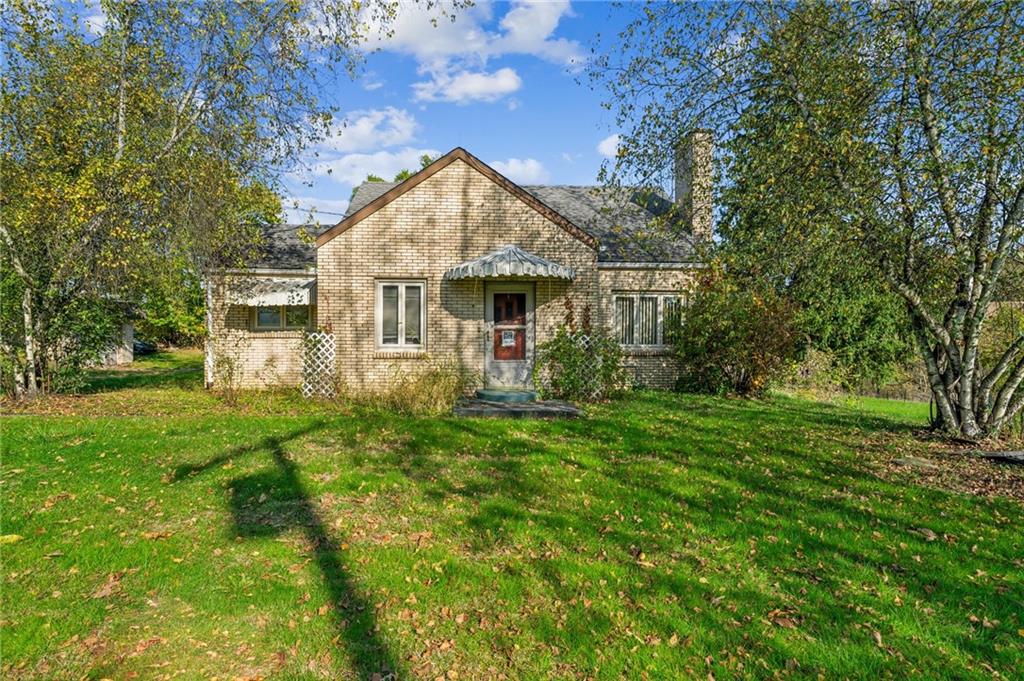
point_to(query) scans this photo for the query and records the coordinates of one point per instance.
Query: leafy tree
(403, 174)
(893, 158)
(734, 338)
(157, 143)
(172, 311)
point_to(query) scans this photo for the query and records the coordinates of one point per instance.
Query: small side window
(296, 316)
(278, 317)
(268, 317)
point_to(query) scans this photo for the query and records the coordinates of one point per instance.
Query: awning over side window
(265, 292)
(510, 261)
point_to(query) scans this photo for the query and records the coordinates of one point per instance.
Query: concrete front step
(506, 395)
(544, 409)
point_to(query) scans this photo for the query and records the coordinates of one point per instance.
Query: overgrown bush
(734, 339)
(579, 364)
(430, 389)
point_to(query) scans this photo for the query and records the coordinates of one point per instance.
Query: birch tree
(888, 134)
(157, 143)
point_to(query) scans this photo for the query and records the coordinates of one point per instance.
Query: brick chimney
(693, 181)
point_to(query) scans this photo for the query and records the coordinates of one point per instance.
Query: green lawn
(167, 534)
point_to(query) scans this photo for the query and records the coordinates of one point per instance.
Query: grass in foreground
(662, 535)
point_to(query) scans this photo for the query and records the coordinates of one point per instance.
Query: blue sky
(504, 80)
(501, 81)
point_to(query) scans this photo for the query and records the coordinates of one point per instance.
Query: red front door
(510, 326)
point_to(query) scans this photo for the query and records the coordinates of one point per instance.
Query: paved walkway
(543, 409)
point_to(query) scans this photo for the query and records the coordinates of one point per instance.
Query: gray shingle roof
(625, 221)
(284, 249)
(630, 225)
(366, 192)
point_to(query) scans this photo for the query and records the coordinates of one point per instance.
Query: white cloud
(370, 81)
(352, 169)
(95, 19)
(302, 209)
(528, 30)
(522, 171)
(370, 129)
(465, 87)
(609, 146)
(456, 50)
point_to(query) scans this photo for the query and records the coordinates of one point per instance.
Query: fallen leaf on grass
(877, 635)
(112, 584)
(783, 618)
(10, 538)
(145, 645)
(156, 535)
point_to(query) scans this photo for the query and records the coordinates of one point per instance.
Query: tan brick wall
(260, 359)
(455, 215)
(651, 368)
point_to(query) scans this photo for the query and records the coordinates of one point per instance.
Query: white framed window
(280, 317)
(401, 314)
(646, 319)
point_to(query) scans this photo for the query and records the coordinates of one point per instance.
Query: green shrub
(430, 389)
(818, 375)
(579, 365)
(734, 339)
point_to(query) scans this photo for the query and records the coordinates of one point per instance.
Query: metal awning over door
(510, 261)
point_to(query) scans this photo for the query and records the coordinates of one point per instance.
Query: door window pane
(624, 320)
(268, 317)
(647, 331)
(413, 299)
(296, 316)
(510, 308)
(389, 315)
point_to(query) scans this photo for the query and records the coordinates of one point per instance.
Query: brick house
(460, 262)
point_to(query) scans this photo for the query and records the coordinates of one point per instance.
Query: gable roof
(456, 154)
(629, 225)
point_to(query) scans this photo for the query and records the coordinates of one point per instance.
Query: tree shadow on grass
(270, 502)
(800, 462)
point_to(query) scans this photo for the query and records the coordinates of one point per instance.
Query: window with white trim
(646, 319)
(280, 317)
(401, 315)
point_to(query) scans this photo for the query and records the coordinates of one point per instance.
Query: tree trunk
(31, 344)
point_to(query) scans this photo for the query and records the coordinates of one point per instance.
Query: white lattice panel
(318, 370)
(590, 384)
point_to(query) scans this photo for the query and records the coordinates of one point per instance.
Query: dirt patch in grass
(934, 464)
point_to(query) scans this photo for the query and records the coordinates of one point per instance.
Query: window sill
(647, 350)
(282, 333)
(399, 354)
